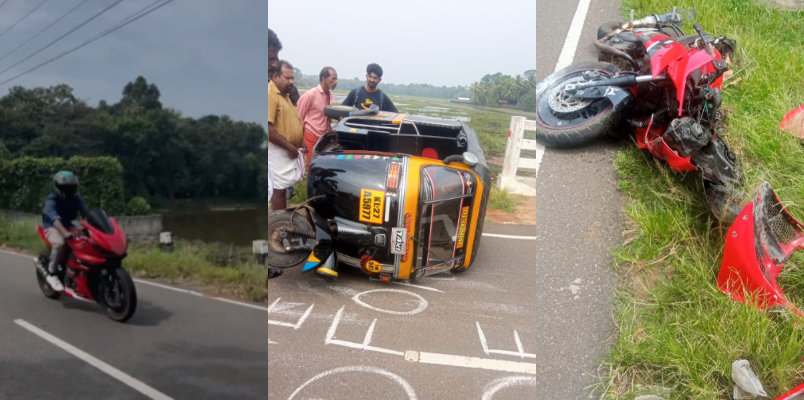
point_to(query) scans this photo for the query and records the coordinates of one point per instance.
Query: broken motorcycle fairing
(759, 242)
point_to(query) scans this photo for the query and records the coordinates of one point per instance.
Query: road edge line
(573, 35)
(89, 359)
(163, 286)
(511, 236)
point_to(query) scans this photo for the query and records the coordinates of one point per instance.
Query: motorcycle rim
(557, 110)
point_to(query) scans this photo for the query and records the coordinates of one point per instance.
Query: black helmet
(66, 183)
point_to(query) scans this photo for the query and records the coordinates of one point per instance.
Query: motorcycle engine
(628, 43)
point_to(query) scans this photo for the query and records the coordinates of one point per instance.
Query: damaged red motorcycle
(658, 83)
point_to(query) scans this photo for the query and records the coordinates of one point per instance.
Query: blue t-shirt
(66, 210)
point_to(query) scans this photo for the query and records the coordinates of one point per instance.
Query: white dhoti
(286, 172)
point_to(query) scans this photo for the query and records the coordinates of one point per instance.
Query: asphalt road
(183, 346)
(532, 319)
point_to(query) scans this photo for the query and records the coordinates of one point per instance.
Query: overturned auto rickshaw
(395, 195)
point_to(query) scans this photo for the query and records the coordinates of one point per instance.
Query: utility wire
(62, 36)
(43, 30)
(23, 18)
(4, 3)
(123, 23)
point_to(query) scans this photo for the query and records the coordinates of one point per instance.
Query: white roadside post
(260, 248)
(166, 241)
(508, 180)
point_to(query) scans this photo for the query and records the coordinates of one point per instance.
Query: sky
(440, 42)
(205, 56)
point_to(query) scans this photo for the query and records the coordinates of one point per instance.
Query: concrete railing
(508, 180)
(139, 226)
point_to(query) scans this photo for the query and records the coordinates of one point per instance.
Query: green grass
(501, 200)
(223, 269)
(678, 335)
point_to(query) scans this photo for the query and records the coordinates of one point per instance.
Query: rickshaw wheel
(277, 256)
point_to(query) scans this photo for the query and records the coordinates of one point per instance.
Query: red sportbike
(93, 271)
(658, 83)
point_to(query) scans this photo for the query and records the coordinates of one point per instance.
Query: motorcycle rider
(62, 207)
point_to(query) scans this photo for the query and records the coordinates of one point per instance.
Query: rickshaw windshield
(446, 196)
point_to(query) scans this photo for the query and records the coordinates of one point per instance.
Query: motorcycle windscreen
(444, 220)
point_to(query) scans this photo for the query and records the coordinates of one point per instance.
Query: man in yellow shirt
(285, 135)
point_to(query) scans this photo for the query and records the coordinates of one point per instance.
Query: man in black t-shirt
(364, 96)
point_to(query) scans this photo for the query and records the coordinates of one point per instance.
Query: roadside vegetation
(222, 269)
(677, 334)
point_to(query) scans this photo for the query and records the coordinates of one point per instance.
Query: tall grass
(678, 335)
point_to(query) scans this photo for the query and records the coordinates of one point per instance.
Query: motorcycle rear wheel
(581, 123)
(127, 297)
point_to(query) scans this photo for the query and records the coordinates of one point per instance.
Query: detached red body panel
(759, 242)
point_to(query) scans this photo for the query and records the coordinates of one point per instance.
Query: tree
(163, 153)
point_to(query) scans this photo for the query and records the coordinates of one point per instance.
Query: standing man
(364, 96)
(285, 133)
(274, 45)
(311, 108)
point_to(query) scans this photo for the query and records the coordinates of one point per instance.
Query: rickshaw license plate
(398, 236)
(372, 204)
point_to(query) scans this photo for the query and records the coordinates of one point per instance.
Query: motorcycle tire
(549, 130)
(607, 28)
(277, 257)
(129, 307)
(43, 285)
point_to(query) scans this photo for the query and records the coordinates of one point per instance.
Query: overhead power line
(23, 18)
(4, 3)
(43, 30)
(63, 36)
(121, 24)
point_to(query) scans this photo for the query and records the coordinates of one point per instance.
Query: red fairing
(793, 392)
(661, 54)
(652, 139)
(100, 246)
(744, 271)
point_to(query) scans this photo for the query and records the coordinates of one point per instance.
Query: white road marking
(408, 284)
(199, 294)
(502, 383)
(520, 353)
(146, 390)
(271, 342)
(330, 339)
(511, 236)
(168, 287)
(364, 369)
(479, 363)
(573, 36)
(436, 358)
(422, 302)
(298, 323)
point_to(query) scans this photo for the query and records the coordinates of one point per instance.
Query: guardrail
(508, 180)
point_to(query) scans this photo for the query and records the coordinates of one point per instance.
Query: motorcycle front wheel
(43, 285)
(564, 121)
(118, 295)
